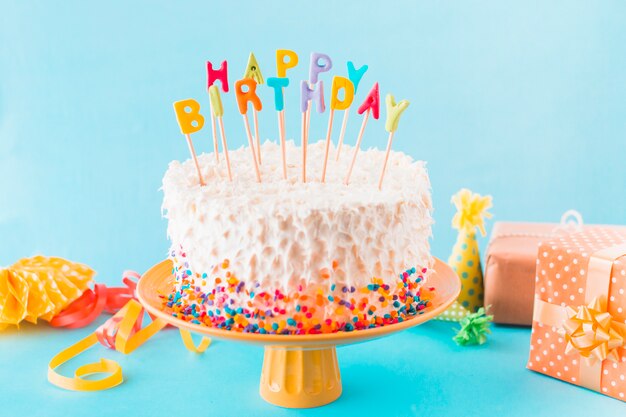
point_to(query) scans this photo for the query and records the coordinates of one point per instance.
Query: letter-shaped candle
(340, 83)
(277, 84)
(281, 65)
(218, 111)
(190, 121)
(394, 111)
(220, 74)
(355, 75)
(372, 102)
(188, 115)
(216, 101)
(253, 71)
(319, 63)
(243, 97)
(370, 105)
(314, 93)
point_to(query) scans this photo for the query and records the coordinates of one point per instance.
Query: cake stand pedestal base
(299, 371)
(300, 377)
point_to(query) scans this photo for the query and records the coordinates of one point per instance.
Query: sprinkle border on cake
(266, 312)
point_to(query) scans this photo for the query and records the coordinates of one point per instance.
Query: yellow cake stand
(299, 371)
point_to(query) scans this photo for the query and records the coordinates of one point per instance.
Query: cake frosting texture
(285, 235)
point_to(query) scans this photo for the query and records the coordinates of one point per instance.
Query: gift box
(579, 319)
(510, 268)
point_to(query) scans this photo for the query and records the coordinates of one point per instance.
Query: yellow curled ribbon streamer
(190, 345)
(125, 342)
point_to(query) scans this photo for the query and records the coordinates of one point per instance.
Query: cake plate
(299, 371)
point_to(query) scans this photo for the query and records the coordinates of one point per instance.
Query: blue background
(521, 100)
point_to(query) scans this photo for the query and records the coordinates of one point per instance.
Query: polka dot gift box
(579, 319)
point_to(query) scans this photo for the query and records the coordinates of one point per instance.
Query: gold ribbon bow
(591, 332)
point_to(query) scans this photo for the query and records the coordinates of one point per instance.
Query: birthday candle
(190, 121)
(307, 96)
(394, 111)
(371, 104)
(218, 113)
(242, 101)
(213, 75)
(253, 71)
(320, 63)
(281, 65)
(339, 83)
(281, 70)
(355, 75)
(278, 83)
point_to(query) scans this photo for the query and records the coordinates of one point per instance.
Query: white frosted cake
(288, 257)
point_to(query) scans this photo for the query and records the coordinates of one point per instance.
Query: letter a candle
(371, 104)
(243, 97)
(190, 121)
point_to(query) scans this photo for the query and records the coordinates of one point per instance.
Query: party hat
(465, 258)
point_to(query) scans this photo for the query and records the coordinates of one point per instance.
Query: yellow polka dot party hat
(465, 258)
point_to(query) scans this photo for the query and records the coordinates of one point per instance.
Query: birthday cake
(290, 257)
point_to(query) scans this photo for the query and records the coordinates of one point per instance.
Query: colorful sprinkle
(239, 306)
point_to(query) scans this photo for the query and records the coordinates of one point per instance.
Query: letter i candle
(371, 104)
(217, 112)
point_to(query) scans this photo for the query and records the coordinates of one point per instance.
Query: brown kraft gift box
(510, 269)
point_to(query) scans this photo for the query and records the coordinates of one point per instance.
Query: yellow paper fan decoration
(465, 258)
(39, 288)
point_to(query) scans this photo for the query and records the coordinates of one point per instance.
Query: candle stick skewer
(344, 123)
(195, 158)
(382, 173)
(357, 146)
(328, 136)
(304, 143)
(225, 147)
(281, 133)
(190, 121)
(256, 134)
(394, 111)
(246, 122)
(213, 130)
